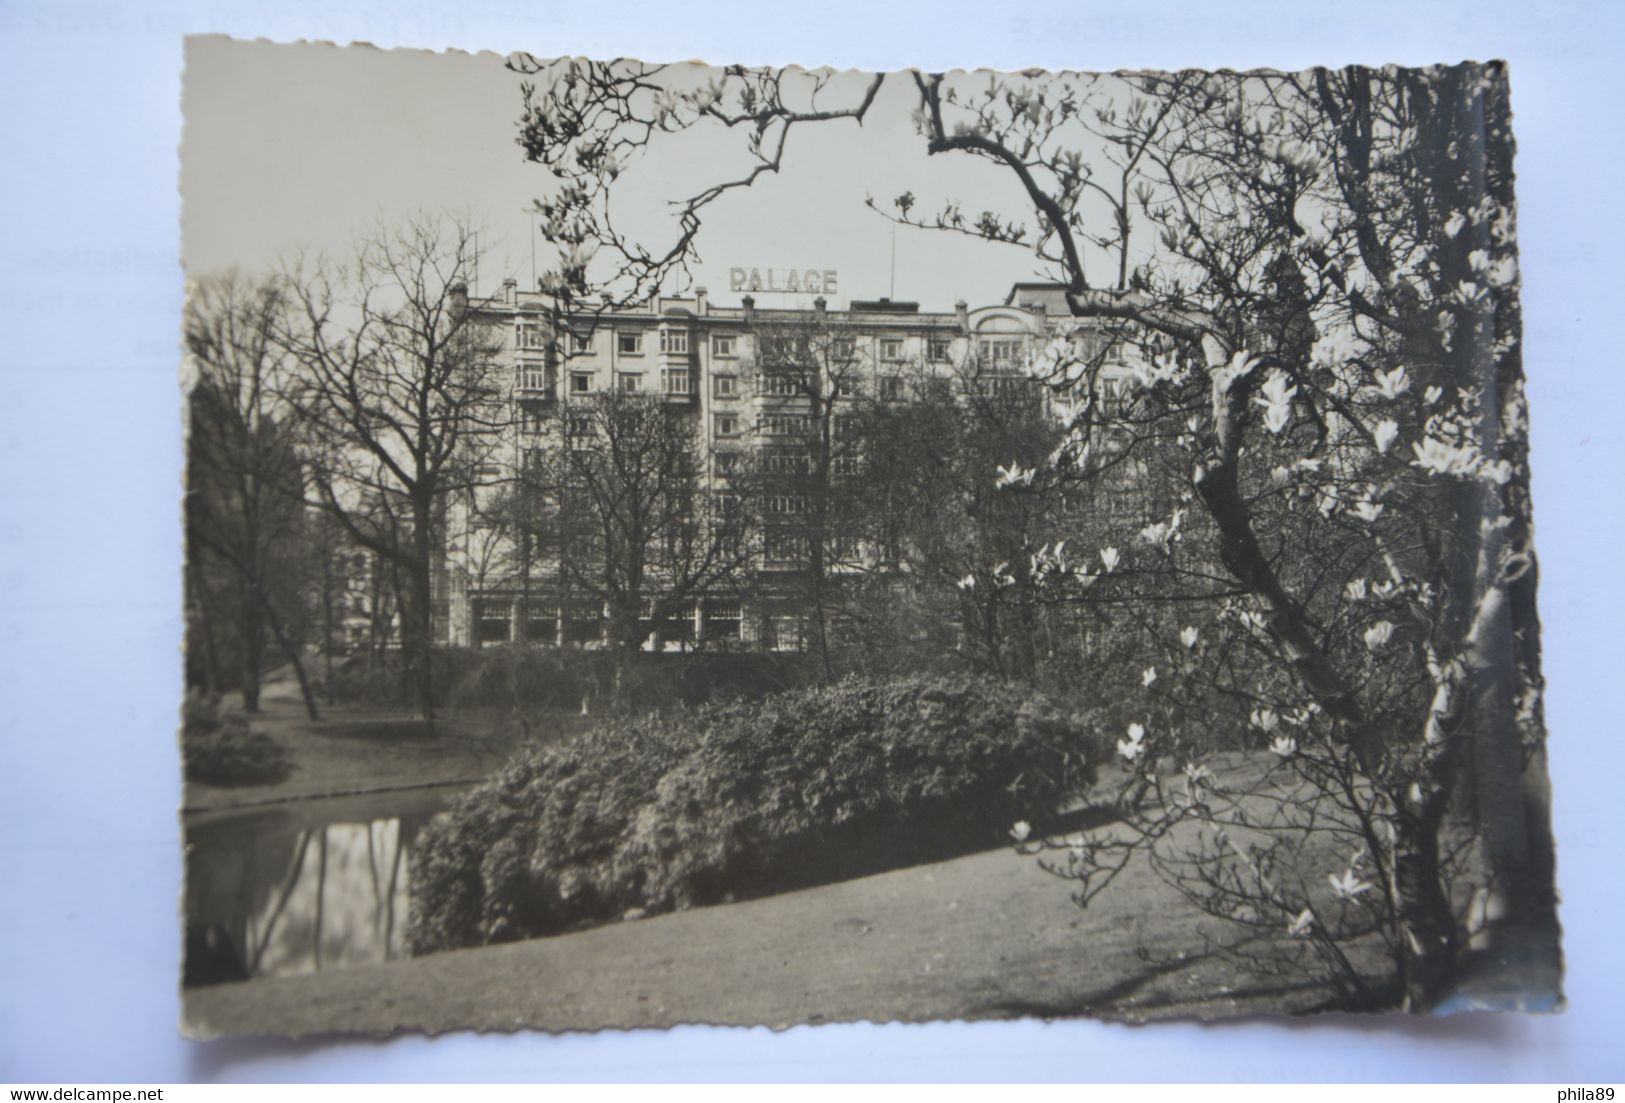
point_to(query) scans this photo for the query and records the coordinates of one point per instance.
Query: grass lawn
(354, 750)
(989, 935)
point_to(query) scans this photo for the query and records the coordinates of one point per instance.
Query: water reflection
(289, 892)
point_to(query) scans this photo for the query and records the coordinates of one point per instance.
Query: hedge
(736, 800)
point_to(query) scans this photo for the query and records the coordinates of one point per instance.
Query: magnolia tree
(1319, 361)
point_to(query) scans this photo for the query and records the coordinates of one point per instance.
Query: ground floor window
(782, 632)
(723, 619)
(493, 620)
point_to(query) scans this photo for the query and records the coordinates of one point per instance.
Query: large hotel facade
(738, 379)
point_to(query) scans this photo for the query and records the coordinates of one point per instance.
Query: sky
(309, 146)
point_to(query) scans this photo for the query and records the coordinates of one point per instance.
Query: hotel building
(715, 367)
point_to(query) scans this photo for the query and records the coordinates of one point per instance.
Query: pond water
(302, 887)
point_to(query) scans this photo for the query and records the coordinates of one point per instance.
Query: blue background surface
(90, 459)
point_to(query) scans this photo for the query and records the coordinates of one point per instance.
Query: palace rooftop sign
(786, 280)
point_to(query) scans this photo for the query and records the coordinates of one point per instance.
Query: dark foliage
(737, 800)
(220, 749)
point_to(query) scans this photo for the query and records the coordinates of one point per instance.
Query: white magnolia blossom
(1224, 374)
(1147, 676)
(1326, 500)
(1348, 886)
(1109, 558)
(1368, 511)
(968, 582)
(1020, 830)
(1384, 433)
(1195, 776)
(1002, 576)
(1392, 384)
(1134, 746)
(1276, 397)
(1265, 719)
(1378, 635)
(1301, 923)
(1284, 746)
(1188, 636)
(1162, 534)
(1355, 589)
(1280, 476)
(1455, 224)
(1431, 396)
(1440, 458)
(1015, 475)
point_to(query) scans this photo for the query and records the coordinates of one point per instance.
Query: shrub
(741, 799)
(220, 749)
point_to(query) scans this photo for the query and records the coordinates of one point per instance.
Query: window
(891, 348)
(723, 619)
(580, 343)
(678, 625)
(533, 459)
(727, 425)
(999, 352)
(528, 335)
(784, 425)
(676, 380)
(785, 505)
(487, 485)
(845, 387)
(542, 624)
(843, 348)
(725, 345)
(493, 619)
(727, 462)
(674, 340)
(534, 376)
(584, 623)
(785, 463)
(783, 633)
(937, 348)
(724, 386)
(891, 388)
(784, 546)
(629, 342)
(532, 418)
(580, 426)
(783, 383)
(1012, 387)
(581, 382)
(630, 382)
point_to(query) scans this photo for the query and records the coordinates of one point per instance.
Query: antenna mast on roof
(893, 292)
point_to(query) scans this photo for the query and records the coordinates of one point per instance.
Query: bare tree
(399, 394)
(638, 527)
(244, 478)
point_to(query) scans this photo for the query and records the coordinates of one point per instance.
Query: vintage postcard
(674, 543)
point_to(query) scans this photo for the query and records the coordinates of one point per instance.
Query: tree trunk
(290, 651)
(1429, 951)
(417, 628)
(252, 644)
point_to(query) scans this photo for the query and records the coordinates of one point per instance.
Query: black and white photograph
(723, 544)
